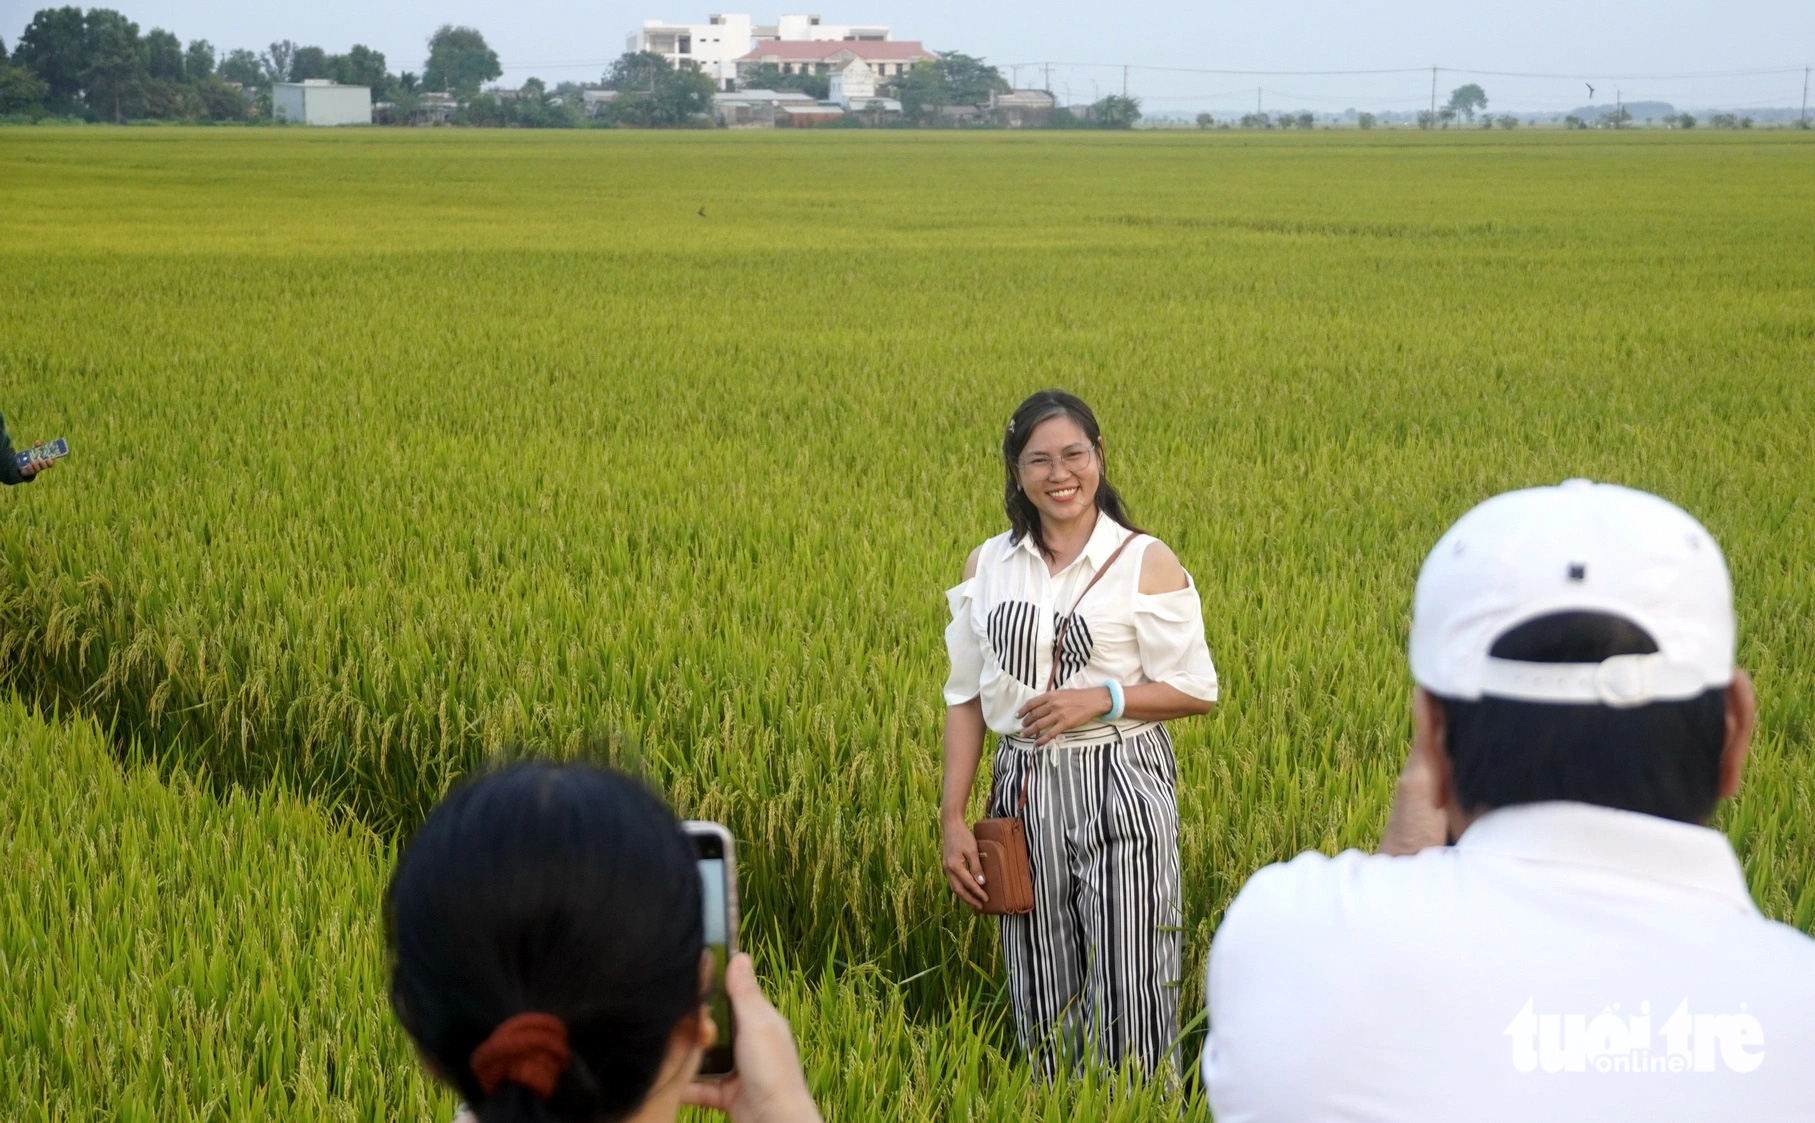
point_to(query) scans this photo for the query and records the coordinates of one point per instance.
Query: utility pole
(1124, 83)
(1049, 77)
(1433, 121)
(1619, 111)
(1257, 108)
(1805, 97)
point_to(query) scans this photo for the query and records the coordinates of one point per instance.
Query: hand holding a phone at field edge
(963, 865)
(768, 1086)
(35, 466)
(1052, 713)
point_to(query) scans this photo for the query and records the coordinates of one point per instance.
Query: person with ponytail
(1074, 637)
(548, 959)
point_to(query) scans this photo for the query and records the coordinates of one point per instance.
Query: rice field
(394, 451)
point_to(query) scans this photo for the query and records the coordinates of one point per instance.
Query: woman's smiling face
(1059, 470)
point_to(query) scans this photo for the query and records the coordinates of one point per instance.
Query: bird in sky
(1590, 91)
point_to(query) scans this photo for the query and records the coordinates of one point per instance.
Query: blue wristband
(1117, 702)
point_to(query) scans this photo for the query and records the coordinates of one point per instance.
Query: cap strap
(1621, 682)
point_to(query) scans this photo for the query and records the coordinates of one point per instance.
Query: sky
(1670, 50)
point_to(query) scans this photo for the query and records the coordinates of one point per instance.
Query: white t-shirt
(1560, 962)
(1003, 619)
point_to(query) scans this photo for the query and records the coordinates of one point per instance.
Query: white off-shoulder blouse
(1004, 618)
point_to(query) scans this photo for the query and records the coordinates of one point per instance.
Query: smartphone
(716, 857)
(55, 450)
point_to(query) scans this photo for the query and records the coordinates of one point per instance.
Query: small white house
(318, 101)
(856, 83)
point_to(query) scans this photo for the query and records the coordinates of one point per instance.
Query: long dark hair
(559, 889)
(1023, 516)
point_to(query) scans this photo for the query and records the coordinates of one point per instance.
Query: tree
(1508, 121)
(1427, 119)
(240, 65)
(655, 97)
(163, 54)
(1116, 112)
(276, 61)
(1306, 121)
(1256, 121)
(361, 66)
(219, 101)
(21, 91)
(459, 61)
(1465, 100)
(54, 46)
(1206, 121)
(951, 79)
(198, 61)
(308, 62)
(114, 79)
(1685, 121)
(637, 72)
(683, 96)
(1366, 121)
(968, 80)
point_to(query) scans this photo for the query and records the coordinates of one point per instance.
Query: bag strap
(1052, 678)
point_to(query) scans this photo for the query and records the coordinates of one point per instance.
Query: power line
(1421, 69)
(1686, 75)
(1202, 70)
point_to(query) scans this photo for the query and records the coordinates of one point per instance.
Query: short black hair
(1661, 759)
(561, 889)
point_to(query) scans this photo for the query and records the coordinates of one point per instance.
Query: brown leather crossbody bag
(1008, 873)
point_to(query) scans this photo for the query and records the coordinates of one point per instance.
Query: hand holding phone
(39, 457)
(768, 1086)
(717, 862)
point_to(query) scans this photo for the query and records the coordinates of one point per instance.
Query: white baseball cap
(1576, 547)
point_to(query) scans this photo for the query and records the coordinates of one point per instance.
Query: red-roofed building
(886, 58)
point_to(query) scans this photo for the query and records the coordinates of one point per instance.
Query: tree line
(647, 91)
(96, 65)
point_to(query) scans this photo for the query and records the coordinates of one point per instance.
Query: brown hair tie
(526, 1049)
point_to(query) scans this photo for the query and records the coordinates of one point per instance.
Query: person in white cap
(1551, 931)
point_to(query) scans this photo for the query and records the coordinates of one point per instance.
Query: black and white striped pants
(1093, 971)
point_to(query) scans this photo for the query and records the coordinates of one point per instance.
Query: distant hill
(1639, 110)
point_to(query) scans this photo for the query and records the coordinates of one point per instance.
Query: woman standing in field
(1093, 970)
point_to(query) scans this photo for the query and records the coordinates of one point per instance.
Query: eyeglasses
(1040, 466)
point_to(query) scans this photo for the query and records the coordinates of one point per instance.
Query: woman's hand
(1054, 712)
(34, 466)
(963, 867)
(768, 1086)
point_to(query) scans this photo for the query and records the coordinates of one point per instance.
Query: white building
(854, 88)
(318, 101)
(856, 82)
(715, 46)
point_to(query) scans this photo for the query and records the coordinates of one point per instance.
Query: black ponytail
(1023, 516)
(566, 890)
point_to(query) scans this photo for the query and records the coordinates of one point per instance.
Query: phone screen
(718, 900)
